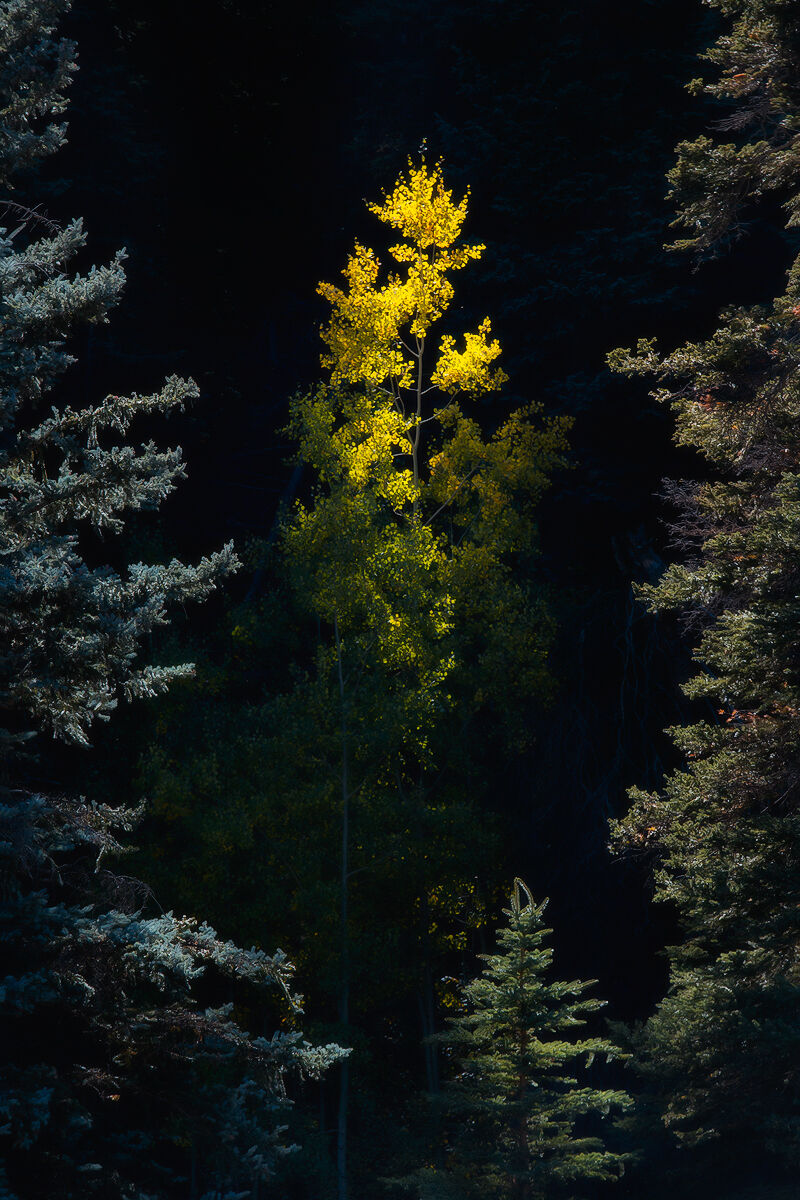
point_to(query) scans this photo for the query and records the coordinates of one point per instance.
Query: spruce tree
(115, 1080)
(721, 1056)
(524, 1122)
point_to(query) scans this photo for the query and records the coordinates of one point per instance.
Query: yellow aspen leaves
(364, 334)
(404, 545)
(423, 211)
(468, 370)
(354, 439)
(377, 330)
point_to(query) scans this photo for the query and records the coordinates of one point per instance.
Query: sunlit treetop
(422, 209)
(381, 320)
(404, 547)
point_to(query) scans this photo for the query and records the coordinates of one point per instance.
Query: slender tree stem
(344, 987)
(420, 341)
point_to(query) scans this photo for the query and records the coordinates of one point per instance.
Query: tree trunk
(427, 1010)
(344, 986)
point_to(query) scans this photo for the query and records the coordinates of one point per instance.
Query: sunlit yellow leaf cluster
(364, 333)
(468, 370)
(405, 544)
(377, 330)
(423, 211)
(363, 563)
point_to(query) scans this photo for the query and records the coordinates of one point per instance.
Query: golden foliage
(377, 331)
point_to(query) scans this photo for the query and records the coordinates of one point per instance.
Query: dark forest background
(229, 147)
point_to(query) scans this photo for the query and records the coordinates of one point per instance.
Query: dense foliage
(425, 651)
(433, 672)
(720, 1056)
(516, 1101)
(115, 1080)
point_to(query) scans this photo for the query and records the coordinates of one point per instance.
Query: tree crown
(370, 321)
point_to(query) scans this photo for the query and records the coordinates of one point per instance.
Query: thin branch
(29, 214)
(450, 498)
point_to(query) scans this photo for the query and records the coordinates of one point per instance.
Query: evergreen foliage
(720, 1056)
(523, 1123)
(115, 1080)
(37, 68)
(333, 777)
